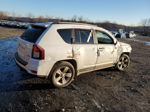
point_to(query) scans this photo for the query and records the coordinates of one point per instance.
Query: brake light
(38, 52)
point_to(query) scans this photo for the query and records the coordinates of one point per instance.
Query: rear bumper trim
(23, 67)
(20, 60)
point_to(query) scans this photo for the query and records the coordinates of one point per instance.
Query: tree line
(143, 27)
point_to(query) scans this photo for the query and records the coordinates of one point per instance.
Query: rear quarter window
(66, 35)
(33, 33)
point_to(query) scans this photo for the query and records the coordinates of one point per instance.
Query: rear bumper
(32, 67)
(22, 65)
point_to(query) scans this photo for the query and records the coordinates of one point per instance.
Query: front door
(105, 50)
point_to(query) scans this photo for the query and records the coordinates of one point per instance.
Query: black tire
(62, 74)
(123, 62)
(127, 35)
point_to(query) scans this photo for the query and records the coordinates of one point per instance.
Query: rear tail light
(38, 52)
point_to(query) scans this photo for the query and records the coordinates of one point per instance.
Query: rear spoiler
(44, 25)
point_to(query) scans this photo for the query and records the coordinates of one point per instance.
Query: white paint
(86, 55)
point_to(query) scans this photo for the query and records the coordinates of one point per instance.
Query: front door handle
(101, 48)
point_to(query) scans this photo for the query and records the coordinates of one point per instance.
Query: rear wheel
(123, 62)
(62, 74)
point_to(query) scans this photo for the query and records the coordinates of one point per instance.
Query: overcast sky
(128, 12)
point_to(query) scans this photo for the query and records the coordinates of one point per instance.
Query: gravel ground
(105, 90)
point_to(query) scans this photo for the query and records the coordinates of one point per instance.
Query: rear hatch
(27, 40)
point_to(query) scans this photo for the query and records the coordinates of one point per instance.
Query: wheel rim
(123, 62)
(63, 76)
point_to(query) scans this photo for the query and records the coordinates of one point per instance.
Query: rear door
(27, 40)
(84, 49)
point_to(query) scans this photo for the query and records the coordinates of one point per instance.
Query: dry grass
(10, 32)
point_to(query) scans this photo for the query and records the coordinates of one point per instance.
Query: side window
(83, 36)
(66, 35)
(103, 38)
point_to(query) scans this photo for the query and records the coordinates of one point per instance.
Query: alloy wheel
(63, 75)
(123, 62)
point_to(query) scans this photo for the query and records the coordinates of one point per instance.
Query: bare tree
(80, 19)
(13, 14)
(30, 15)
(74, 18)
(148, 22)
(40, 19)
(145, 23)
(3, 15)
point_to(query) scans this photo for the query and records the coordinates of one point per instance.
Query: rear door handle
(98, 53)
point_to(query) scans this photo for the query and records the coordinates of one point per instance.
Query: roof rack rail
(78, 23)
(47, 24)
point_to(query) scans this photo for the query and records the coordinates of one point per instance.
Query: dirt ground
(105, 90)
(10, 32)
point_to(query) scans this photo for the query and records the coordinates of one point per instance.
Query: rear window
(32, 33)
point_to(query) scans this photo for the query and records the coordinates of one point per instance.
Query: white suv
(62, 51)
